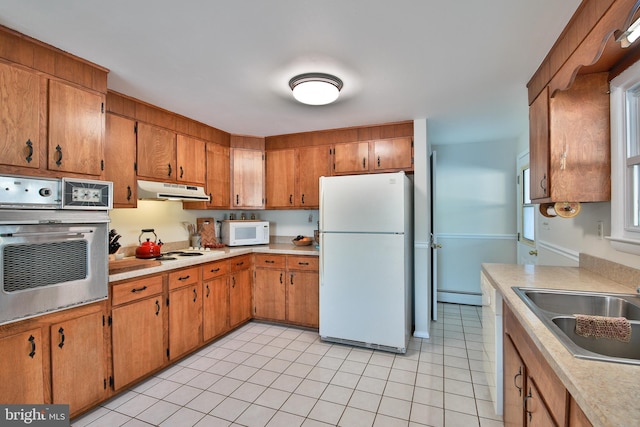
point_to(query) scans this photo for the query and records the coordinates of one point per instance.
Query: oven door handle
(47, 233)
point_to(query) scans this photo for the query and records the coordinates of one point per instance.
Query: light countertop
(216, 255)
(607, 392)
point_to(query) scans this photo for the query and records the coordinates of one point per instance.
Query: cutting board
(130, 264)
(207, 227)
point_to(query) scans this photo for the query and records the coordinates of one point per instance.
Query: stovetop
(168, 256)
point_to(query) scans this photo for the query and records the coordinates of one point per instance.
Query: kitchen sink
(556, 309)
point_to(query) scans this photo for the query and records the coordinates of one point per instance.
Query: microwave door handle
(47, 233)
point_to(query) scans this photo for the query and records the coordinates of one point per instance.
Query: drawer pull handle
(59, 152)
(233, 282)
(157, 308)
(134, 290)
(32, 340)
(303, 198)
(181, 172)
(215, 270)
(291, 280)
(364, 162)
(183, 278)
(290, 199)
(281, 278)
(270, 261)
(30, 147)
(515, 381)
(129, 192)
(303, 263)
(61, 332)
(169, 167)
(195, 295)
(239, 263)
(208, 291)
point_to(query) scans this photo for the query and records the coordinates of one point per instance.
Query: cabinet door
(185, 320)
(280, 178)
(20, 107)
(76, 129)
(218, 175)
(312, 163)
(351, 157)
(156, 154)
(190, 158)
(239, 297)
(119, 153)
(536, 413)
(303, 298)
(539, 146)
(393, 154)
(22, 357)
(215, 310)
(78, 365)
(137, 334)
(248, 178)
(269, 294)
(514, 385)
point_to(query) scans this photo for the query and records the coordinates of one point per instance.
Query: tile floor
(273, 375)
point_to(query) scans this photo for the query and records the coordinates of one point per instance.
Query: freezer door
(363, 203)
(363, 289)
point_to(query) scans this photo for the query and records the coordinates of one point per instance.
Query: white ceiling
(462, 65)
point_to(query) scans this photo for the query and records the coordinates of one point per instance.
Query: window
(625, 160)
(528, 211)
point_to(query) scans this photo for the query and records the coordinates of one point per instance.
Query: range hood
(151, 190)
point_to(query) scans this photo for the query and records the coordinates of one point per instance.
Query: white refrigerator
(366, 260)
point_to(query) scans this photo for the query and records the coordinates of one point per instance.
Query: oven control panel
(29, 193)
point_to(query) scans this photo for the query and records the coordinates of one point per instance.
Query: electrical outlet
(310, 218)
(600, 230)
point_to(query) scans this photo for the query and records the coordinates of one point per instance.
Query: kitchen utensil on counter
(148, 249)
(113, 241)
(207, 231)
(302, 241)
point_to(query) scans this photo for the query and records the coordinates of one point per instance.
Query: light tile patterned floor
(272, 375)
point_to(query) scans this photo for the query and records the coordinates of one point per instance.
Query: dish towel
(617, 328)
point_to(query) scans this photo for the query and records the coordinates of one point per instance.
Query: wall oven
(53, 245)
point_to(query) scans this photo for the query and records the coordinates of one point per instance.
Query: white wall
(475, 214)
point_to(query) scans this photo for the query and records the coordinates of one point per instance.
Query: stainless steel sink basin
(556, 309)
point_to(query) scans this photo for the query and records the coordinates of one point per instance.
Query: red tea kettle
(148, 249)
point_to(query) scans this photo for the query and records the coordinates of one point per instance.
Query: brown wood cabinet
(378, 155)
(78, 361)
(533, 393)
(156, 153)
(311, 164)
(248, 178)
(22, 357)
(280, 179)
(351, 158)
(76, 129)
(120, 154)
(191, 160)
(185, 311)
(240, 284)
(21, 116)
(215, 304)
(138, 329)
(218, 184)
(570, 159)
(286, 289)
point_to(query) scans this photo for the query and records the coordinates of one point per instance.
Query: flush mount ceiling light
(315, 88)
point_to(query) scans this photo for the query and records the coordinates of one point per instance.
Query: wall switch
(600, 230)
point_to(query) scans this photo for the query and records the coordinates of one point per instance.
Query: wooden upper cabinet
(156, 155)
(351, 157)
(570, 143)
(280, 178)
(120, 154)
(392, 154)
(76, 129)
(20, 108)
(218, 175)
(311, 164)
(191, 160)
(248, 178)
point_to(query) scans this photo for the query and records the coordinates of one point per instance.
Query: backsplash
(619, 273)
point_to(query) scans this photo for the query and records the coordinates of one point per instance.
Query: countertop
(607, 392)
(215, 255)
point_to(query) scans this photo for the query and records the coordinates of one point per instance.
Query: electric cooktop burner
(165, 258)
(168, 255)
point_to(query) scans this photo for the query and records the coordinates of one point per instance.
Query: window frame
(522, 204)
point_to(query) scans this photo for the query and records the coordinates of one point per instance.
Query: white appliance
(242, 232)
(151, 190)
(492, 340)
(366, 260)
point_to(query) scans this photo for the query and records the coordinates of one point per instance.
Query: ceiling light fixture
(315, 88)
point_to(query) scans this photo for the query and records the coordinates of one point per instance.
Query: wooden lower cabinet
(185, 311)
(533, 394)
(215, 307)
(78, 361)
(240, 284)
(269, 291)
(22, 355)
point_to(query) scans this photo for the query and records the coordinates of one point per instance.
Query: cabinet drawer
(270, 261)
(240, 262)
(295, 262)
(187, 276)
(215, 269)
(136, 290)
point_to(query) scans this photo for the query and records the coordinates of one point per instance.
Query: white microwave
(241, 232)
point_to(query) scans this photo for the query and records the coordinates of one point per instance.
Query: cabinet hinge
(110, 321)
(167, 304)
(518, 179)
(518, 236)
(330, 151)
(103, 321)
(105, 383)
(168, 357)
(102, 108)
(412, 143)
(411, 160)
(102, 164)
(135, 128)
(263, 157)
(111, 383)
